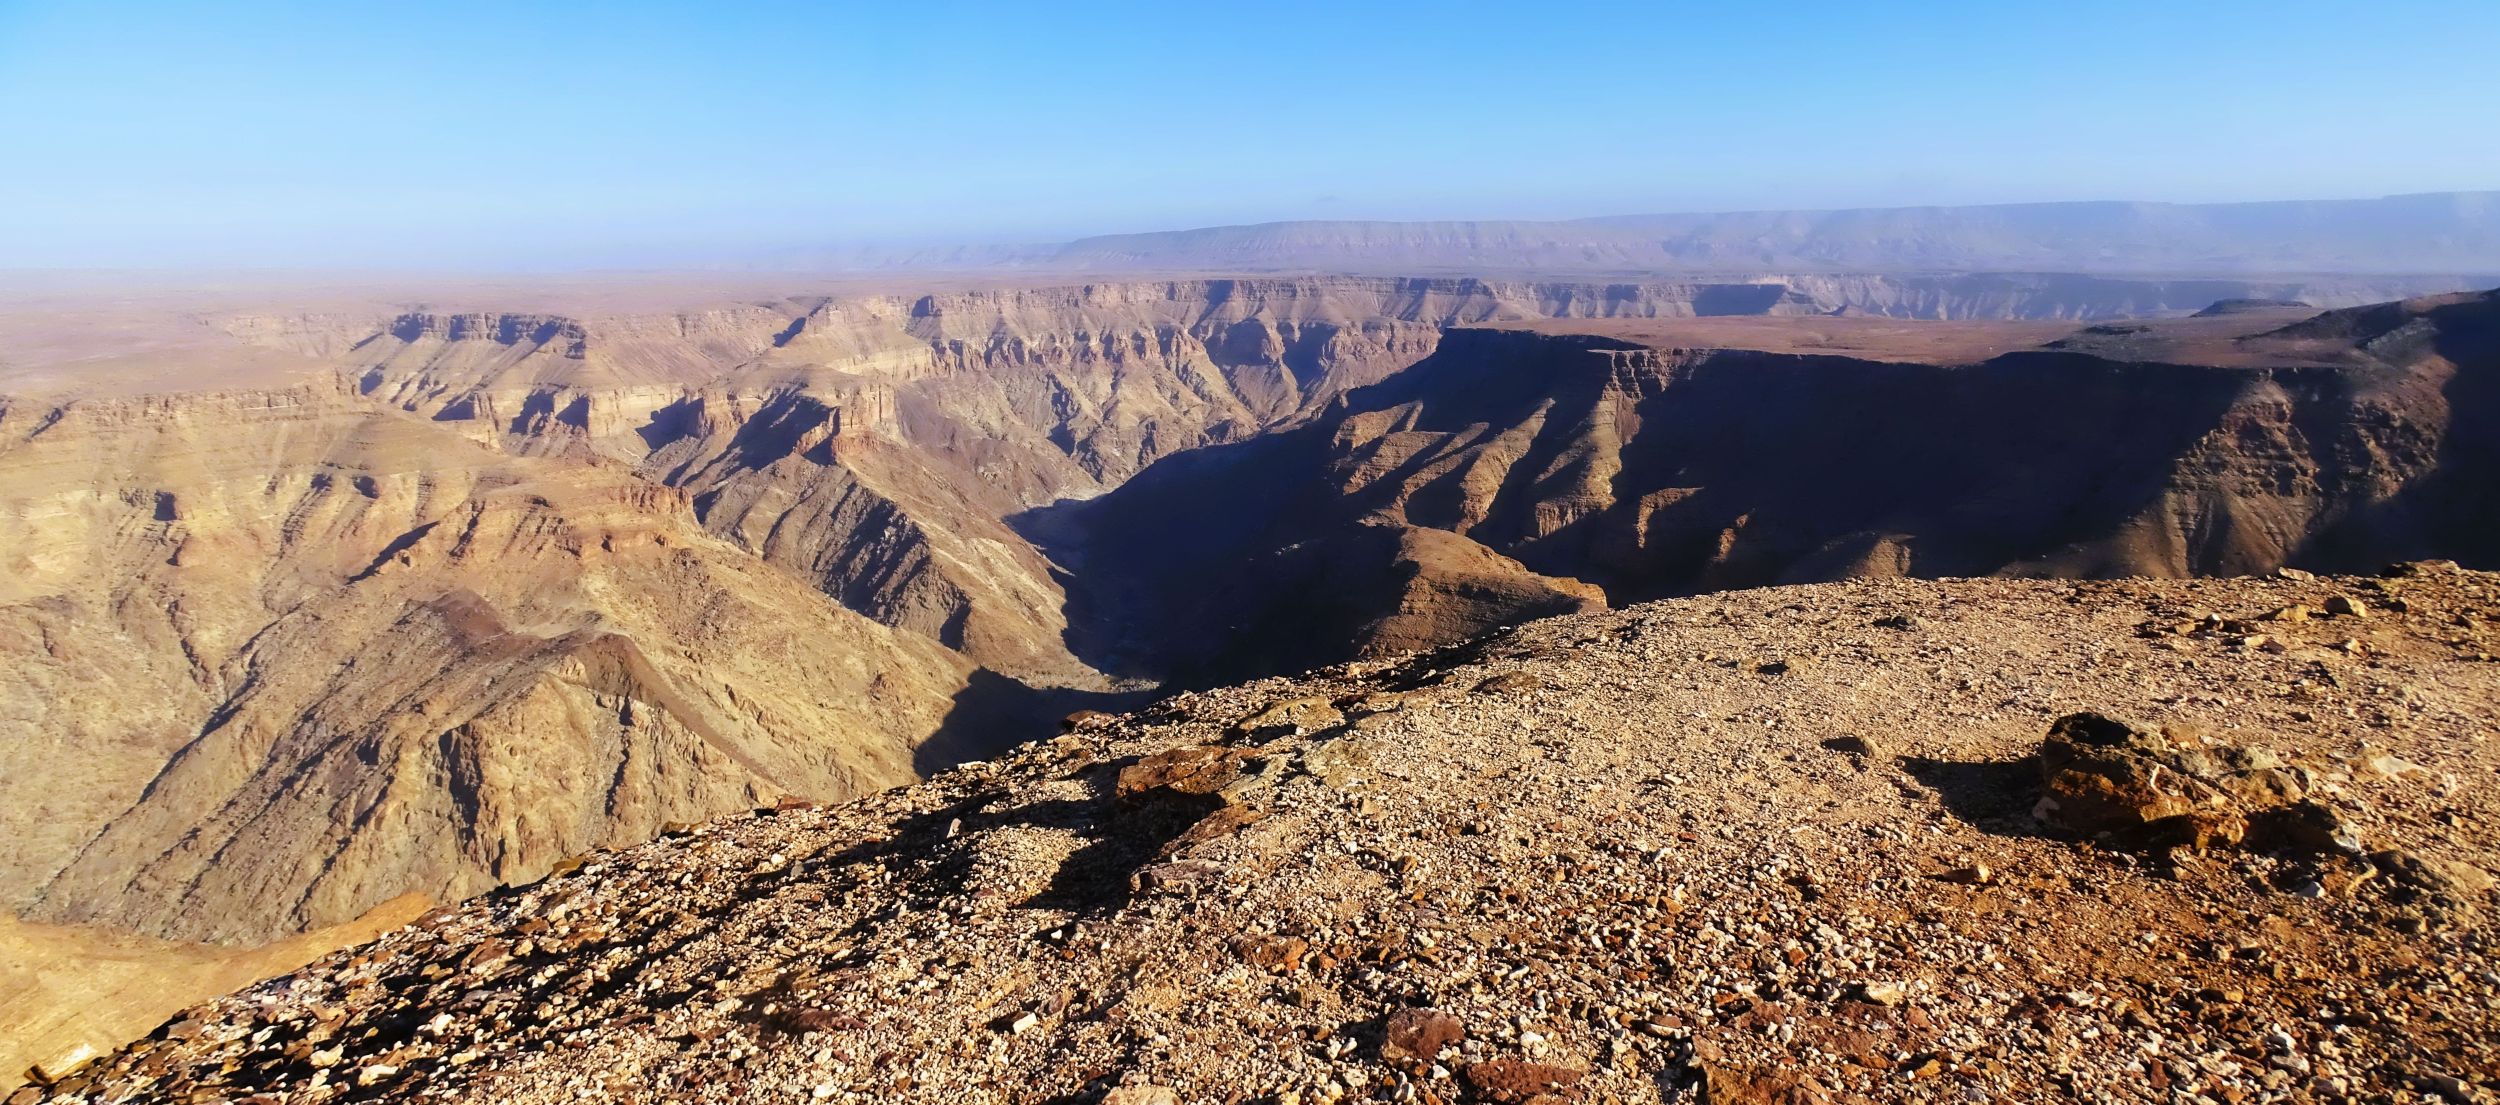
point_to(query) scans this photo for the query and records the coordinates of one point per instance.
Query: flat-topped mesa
(2468, 321)
(557, 335)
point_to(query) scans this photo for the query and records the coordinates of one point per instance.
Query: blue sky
(561, 134)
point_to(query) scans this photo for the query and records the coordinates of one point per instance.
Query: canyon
(318, 611)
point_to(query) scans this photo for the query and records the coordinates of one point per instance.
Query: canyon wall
(280, 657)
(1645, 471)
(873, 444)
(502, 587)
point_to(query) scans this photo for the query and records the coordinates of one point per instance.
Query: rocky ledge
(2214, 841)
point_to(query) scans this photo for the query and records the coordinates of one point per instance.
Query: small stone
(1855, 745)
(1142, 1095)
(2452, 1088)
(1511, 683)
(2107, 779)
(2306, 826)
(1725, 1085)
(1882, 993)
(376, 1074)
(1273, 953)
(63, 1064)
(1512, 1082)
(1338, 760)
(1415, 1036)
(1023, 1023)
(2384, 766)
(2345, 606)
(2432, 876)
(1181, 772)
(1184, 877)
(1977, 874)
(1291, 718)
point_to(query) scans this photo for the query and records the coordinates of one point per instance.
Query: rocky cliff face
(352, 656)
(359, 609)
(896, 433)
(484, 590)
(875, 444)
(1647, 470)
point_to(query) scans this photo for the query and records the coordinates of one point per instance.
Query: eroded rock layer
(425, 602)
(280, 657)
(1644, 466)
(876, 444)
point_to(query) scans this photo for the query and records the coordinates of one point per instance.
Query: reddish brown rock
(1292, 717)
(1273, 953)
(1190, 771)
(1722, 1085)
(1085, 719)
(1415, 1036)
(1514, 1081)
(2101, 777)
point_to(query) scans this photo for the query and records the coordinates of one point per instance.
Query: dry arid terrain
(70, 991)
(2211, 840)
(2424, 232)
(387, 596)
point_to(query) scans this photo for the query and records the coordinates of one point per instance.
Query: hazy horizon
(636, 135)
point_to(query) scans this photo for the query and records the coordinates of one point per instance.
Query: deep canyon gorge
(391, 604)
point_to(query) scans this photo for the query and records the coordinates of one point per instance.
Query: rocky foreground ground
(2218, 840)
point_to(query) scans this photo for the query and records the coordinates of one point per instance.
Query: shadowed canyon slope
(633, 545)
(467, 591)
(873, 444)
(1672, 458)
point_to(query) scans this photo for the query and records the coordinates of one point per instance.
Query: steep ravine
(897, 433)
(1649, 471)
(488, 590)
(279, 658)
(356, 583)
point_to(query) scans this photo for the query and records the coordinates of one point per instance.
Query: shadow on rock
(994, 713)
(1991, 796)
(1133, 828)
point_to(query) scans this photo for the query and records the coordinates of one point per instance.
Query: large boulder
(2133, 787)
(2106, 779)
